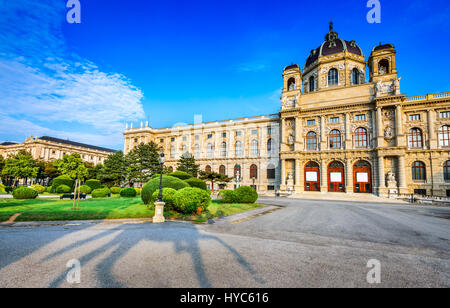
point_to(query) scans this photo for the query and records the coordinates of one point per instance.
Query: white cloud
(43, 83)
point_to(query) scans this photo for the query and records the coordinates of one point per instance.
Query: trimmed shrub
(24, 193)
(115, 190)
(49, 189)
(94, 184)
(62, 180)
(63, 189)
(181, 175)
(189, 199)
(194, 182)
(100, 193)
(228, 196)
(2, 189)
(85, 189)
(138, 191)
(168, 197)
(246, 194)
(128, 192)
(167, 182)
(39, 188)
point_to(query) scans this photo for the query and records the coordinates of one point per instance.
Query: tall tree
(94, 170)
(142, 162)
(20, 166)
(73, 166)
(114, 170)
(187, 164)
(214, 177)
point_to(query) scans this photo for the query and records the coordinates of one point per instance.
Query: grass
(96, 209)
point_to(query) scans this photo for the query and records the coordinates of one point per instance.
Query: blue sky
(165, 61)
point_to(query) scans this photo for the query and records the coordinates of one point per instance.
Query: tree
(94, 171)
(214, 177)
(2, 163)
(114, 170)
(20, 166)
(187, 164)
(142, 162)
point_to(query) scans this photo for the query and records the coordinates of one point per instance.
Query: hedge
(194, 182)
(167, 182)
(24, 193)
(181, 175)
(189, 200)
(228, 196)
(39, 188)
(2, 189)
(128, 192)
(62, 180)
(100, 193)
(168, 197)
(115, 190)
(138, 191)
(63, 189)
(246, 194)
(85, 189)
(93, 184)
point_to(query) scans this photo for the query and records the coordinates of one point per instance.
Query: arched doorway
(312, 177)
(362, 177)
(336, 177)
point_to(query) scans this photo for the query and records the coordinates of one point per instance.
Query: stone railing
(427, 97)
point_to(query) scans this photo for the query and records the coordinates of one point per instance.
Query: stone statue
(391, 177)
(290, 140)
(396, 86)
(389, 133)
(292, 86)
(378, 88)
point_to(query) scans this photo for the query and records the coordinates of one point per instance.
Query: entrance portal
(312, 177)
(336, 177)
(362, 177)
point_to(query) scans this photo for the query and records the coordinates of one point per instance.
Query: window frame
(333, 77)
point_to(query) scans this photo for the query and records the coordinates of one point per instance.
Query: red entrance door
(362, 177)
(336, 177)
(312, 177)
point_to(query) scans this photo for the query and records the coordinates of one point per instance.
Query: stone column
(399, 126)
(282, 134)
(349, 176)
(348, 133)
(323, 177)
(299, 177)
(380, 134)
(323, 137)
(374, 125)
(381, 175)
(401, 175)
(283, 174)
(433, 144)
(298, 134)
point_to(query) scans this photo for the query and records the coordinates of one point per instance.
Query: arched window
(444, 136)
(238, 149)
(383, 67)
(254, 147)
(291, 84)
(311, 141)
(271, 172)
(415, 139)
(270, 148)
(208, 168)
(312, 84)
(356, 76)
(361, 138)
(253, 172)
(222, 170)
(223, 149)
(172, 151)
(237, 169)
(210, 150)
(447, 170)
(184, 148)
(197, 150)
(335, 139)
(333, 77)
(419, 171)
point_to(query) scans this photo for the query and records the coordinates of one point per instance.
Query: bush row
(243, 194)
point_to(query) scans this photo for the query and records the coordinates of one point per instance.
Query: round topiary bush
(168, 197)
(85, 189)
(49, 189)
(246, 194)
(2, 189)
(181, 175)
(189, 200)
(100, 193)
(167, 182)
(138, 191)
(115, 190)
(194, 182)
(63, 189)
(128, 192)
(23, 193)
(62, 180)
(93, 184)
(228, 196)
(39, 188)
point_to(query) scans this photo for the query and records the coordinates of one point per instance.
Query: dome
(333, 45)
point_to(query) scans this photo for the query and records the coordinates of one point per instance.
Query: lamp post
(159, 204)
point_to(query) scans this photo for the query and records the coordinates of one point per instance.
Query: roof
(8, 143)
(77, 144)
(292, 66)
(385, 46)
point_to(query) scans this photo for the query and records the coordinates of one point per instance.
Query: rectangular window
(238, 133)
(414, 117)
(360, 117)
(161, 140)
(172, 139)
(210, 136)
(271, 174)
(184, 138)
(224, 135)
(270, 188)
(334, 120)
(197, 137)
(255, 132)
(269, 131)
(311, 122)
(445, 115)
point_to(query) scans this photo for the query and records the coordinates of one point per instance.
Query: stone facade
(49, 149)
(336, 132)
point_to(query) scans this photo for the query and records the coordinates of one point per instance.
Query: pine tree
(114, 170)
(142, 163)
(187, 164)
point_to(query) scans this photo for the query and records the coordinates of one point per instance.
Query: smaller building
(50, 148)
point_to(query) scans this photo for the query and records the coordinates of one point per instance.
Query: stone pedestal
(392, 187)
(159, 213)
(290, 184)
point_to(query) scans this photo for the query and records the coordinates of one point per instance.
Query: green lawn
(93, 209)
